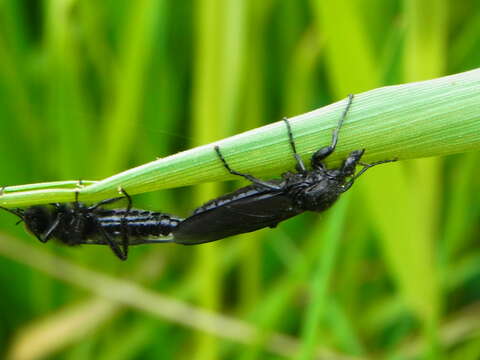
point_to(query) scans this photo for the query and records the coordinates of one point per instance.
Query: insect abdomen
(139, 223)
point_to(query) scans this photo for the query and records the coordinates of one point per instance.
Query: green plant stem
(429, 118)
(69, 184)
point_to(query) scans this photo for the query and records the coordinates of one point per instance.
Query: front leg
(48, 234)
(124, 223)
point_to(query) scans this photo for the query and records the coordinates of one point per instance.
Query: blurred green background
(90, 88)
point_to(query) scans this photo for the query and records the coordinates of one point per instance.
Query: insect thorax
(318, 191)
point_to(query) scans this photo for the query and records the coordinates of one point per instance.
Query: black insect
(76, 223)
(267, 203)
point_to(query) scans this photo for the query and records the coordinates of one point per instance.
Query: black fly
(76, 223)
(267, 203)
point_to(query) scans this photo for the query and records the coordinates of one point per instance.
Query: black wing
(244, 214)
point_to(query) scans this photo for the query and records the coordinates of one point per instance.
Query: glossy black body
(247, 209)
(76, 223)
(267, 203)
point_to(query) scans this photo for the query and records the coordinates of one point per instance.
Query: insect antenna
(17, 212)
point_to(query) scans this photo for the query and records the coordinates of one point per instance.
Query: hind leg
(124, 223)
(251, 178)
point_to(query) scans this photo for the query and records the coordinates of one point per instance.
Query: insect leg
(75, 203)
(129, 199)
(251, 178)
(104, 202)
(44, 237)
(300, 165)
(76, 221)
(322, 153)
(113, 245)
(365, 168)
(125, 241)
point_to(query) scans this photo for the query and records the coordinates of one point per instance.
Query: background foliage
(90, 88)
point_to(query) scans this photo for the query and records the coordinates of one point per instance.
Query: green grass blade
(344, 32)
(430, 118)
(121, 125)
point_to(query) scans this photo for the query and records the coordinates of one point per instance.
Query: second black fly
(77, 223)
(267, 203)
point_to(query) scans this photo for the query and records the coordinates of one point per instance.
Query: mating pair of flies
(256, 206)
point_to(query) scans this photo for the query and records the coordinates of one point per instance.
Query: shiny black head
(38, 219)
